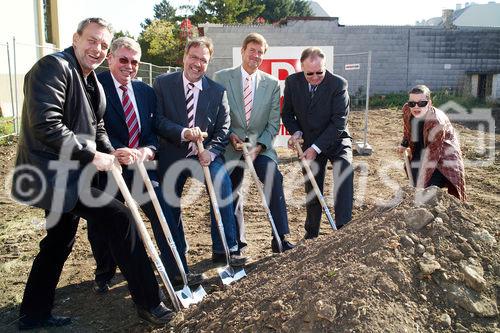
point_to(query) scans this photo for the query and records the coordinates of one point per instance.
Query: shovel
(408, 167)
(185, 295)
(227, 274)
(310, 175)
(143, 233)
(249, 162)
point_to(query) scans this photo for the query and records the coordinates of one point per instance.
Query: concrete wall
(402, 56)
(495, 87)
(474, 85)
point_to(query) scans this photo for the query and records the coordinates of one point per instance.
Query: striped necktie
(190, 114)
(312, 90)
(131, 119)
(247, 98)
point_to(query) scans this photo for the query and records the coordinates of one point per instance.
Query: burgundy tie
(130, 119)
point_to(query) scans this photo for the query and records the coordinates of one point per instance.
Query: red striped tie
(130, 119)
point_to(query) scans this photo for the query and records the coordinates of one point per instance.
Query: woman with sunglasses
(433, 144)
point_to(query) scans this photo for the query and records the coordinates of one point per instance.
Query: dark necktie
(312, 90)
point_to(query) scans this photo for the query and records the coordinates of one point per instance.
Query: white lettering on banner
(275, 70)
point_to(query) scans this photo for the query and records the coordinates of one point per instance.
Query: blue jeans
(223, 191)
(265, 168)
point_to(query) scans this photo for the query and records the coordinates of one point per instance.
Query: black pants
(342, 191)
(106, 265)
(117, 224)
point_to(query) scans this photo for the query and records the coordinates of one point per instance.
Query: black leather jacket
(60, 119)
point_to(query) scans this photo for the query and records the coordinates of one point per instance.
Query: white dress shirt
(196, 92)
(244, 76)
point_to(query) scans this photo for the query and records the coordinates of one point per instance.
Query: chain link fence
(356, 69)
(16, 59)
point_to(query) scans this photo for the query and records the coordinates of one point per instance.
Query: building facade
(462, 59)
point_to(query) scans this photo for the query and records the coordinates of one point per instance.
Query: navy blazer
(114, 118)
(212, 116)
(116, 127)
(323, 119)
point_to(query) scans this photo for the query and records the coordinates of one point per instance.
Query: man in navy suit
(129, 116)
(189, 103)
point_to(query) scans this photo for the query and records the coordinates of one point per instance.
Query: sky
(350, 12)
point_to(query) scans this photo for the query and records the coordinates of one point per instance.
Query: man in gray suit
(254, 98)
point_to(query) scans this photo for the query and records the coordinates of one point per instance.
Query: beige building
(33, 26)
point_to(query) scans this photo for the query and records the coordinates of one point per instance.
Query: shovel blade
(188, 297)
(229, 274)
(198, 294)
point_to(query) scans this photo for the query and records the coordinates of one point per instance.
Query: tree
(162, 11)
(226, 11)
(276, 10)
(121, 33)
(301, 8)
(160, 43)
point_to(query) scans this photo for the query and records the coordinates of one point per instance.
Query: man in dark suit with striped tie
(316, 109)
(189, 103)
(129, 117)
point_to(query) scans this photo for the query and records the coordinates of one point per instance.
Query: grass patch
(6, 128)
(6, 125)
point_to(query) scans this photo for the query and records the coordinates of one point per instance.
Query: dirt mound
(403, 268)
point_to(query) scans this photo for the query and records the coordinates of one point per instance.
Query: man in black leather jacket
(62, 143)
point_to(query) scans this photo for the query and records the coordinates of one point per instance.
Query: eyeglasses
(420, 104)
(195, 58)
(312, 73)
(125, 61)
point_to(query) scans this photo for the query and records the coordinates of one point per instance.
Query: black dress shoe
(235, 260)
(160, 315)
(309, 235)
(194, 279)
(286, 245)
(101, 287)
(27, 323)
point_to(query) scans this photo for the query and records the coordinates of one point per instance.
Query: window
(47, 19)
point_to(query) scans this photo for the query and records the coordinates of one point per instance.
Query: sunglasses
(125, 61)
(312, 73)
(420, 104)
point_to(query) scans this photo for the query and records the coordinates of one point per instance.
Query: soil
(401, 265)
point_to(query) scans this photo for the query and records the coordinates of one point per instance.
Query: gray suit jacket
(265, 116)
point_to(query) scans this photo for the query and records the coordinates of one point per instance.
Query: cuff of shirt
(316, 148)
(183, 138)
